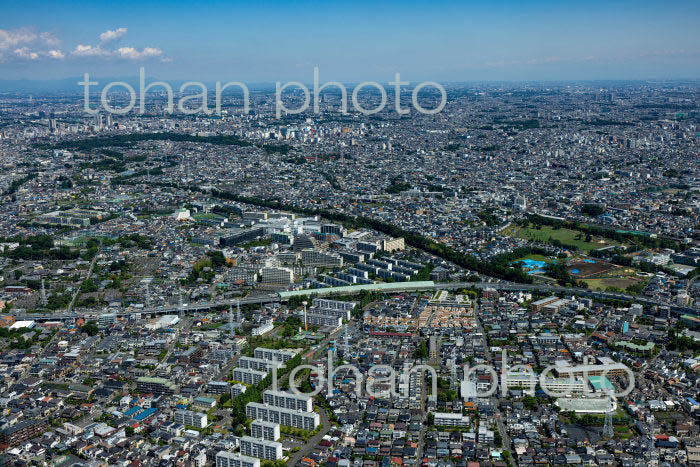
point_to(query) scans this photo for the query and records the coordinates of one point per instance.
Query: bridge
(394, 287)
(150, 311)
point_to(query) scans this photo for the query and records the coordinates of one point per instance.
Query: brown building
(22, 431)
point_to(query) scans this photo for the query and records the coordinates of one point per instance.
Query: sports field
(546, 234)
(600, 275)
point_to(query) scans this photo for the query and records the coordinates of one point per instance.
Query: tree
(88, 286)
(530, 402)
(593, 209)
(498, 439)
(422, 351)
(507, 457)
(90, 328)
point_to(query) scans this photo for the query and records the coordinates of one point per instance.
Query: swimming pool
(531, 263)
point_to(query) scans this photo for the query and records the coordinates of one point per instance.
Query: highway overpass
(394, 287)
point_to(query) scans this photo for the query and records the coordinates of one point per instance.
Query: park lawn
(668, 416)
(620, 278)
(603, 284)
(566, 236)
(623, 432)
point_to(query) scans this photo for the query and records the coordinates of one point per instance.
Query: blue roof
(692, 401)
(132, 411)
(145, 414)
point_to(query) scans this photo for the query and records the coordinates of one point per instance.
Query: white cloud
(90, 51)
(133, 54)
(25, 43)
(126, 53)
(27, 54)
(14, 37)
(49, 39)
(57, 54)
(29, 44)
(110, 35)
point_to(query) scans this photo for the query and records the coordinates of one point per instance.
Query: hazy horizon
(454, 42)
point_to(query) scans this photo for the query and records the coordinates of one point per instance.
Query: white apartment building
(258, 364)
(277, 276)
(275, 355)
(229, 459)
(265, 430)
(264, 328)
(237, 389)
(288, 400)
(314, 319)
(529, 382)
(287, 417)
(451, 419)
(333, 304)
(319, 258)
(248, 376)
(189, 417)
(260, 448)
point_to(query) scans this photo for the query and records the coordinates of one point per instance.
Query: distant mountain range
(70, 85)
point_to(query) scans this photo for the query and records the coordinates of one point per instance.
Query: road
(495, 400)
(77, 291)
(70, 306)
(171, 309)
(394, 287)
(306, 449)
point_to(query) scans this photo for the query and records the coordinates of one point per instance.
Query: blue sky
(353, 40)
